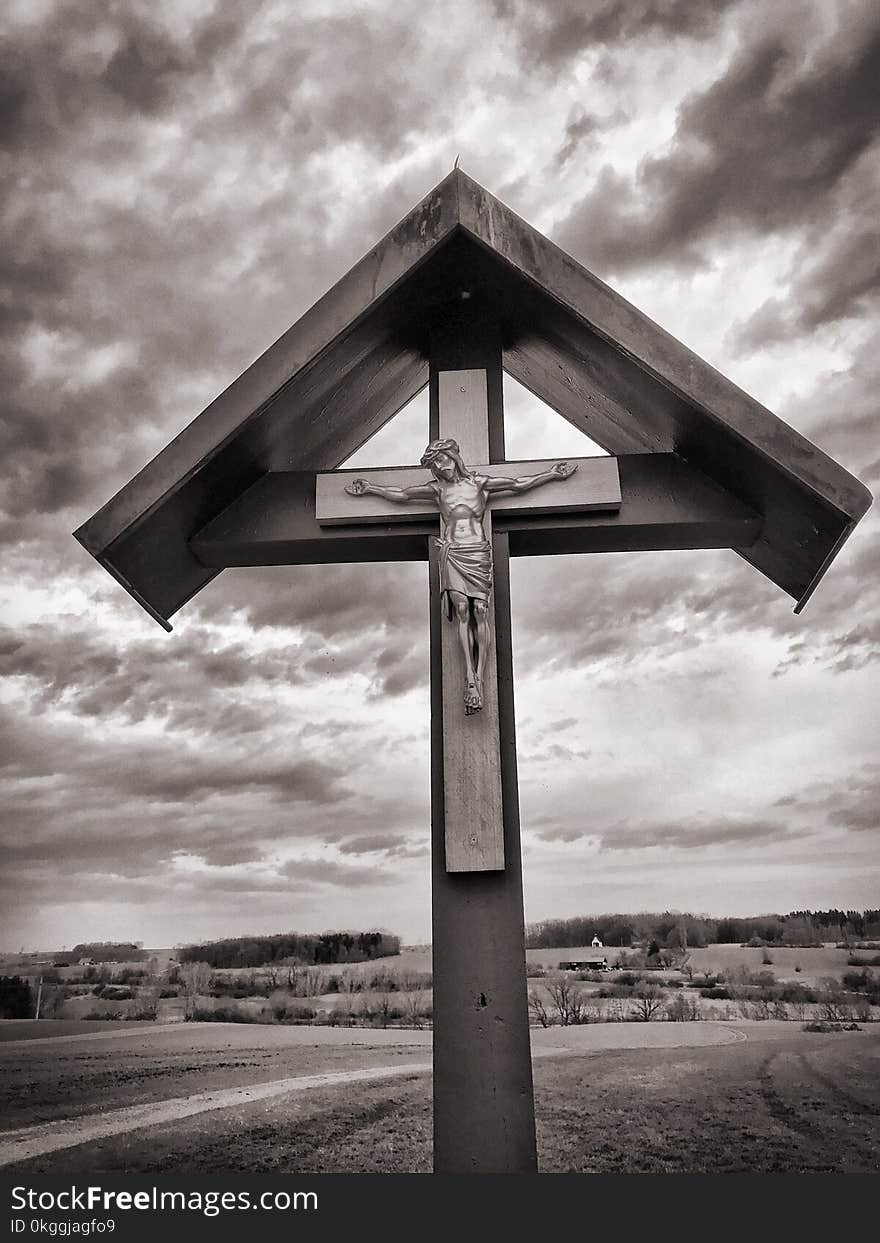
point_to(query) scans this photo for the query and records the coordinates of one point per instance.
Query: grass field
(397, 989)
(769, 1098)
(815, 963)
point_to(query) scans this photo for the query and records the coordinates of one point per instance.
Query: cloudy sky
(183, 179)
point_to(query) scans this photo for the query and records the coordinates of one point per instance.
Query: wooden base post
(484, 1119)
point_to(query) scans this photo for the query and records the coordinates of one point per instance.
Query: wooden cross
(483, 1099)
(460, 284)
(473, 820)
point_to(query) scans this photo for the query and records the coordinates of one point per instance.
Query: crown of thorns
(450, 448)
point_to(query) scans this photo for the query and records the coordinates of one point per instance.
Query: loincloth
(466, 568)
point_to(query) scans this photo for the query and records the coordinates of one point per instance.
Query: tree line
(308, 948)
(103, 951)
(683, 928)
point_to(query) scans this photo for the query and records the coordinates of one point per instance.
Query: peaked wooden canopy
(360, 353)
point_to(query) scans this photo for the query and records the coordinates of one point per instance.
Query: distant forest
(106, 951)
(670, 928)
(325, 948)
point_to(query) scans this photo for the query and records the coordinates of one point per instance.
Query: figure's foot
(473, 699)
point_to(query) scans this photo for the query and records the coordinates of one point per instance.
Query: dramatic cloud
(835, 273)
(183, 180)
(556, 31)
(684, 835)
(690, 835)
(764, 148)
(856, 809)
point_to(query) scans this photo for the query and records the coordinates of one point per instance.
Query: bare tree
(314, 982)
(538, 1009)
(385, 1009)
(645, 1007)
(835, 1011)
(862, 1010)
(417, 1007)
(567, 1000)
(683, 1009)
(196, 979)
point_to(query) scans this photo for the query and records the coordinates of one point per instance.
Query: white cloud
(177, 209)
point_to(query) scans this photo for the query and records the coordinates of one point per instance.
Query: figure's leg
(483, 638)
(461, 605)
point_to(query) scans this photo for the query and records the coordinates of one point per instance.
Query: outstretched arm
(417, 492)
(512, 487)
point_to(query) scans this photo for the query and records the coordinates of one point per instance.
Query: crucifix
(483, 1100)
(466, 487)
(462, 495)
(460, 287)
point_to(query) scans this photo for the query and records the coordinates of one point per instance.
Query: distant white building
(87, 962)
(596, 943)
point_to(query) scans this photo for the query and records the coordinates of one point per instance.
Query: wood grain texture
(483, 1100)
(471, 759)
(595, 485)
(665, 503)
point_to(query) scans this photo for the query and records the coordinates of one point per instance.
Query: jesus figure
(461, 496)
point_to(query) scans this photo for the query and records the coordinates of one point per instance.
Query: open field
(815, 963)
(797, 983)
(53, 1029)
(611, 1098)
(45, 1079)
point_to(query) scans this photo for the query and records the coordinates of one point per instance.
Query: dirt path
(47, 1137)
(36, 1141)
(596, 1037)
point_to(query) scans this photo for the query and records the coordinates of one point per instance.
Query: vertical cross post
(484, 1119)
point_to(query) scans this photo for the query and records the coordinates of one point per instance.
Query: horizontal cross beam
(665, 503)
(595, 485)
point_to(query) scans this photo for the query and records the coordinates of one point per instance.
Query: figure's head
(445, 460)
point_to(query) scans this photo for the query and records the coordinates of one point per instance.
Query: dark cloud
(201, 680)
(555, 753)
(150, 193)
(329, 872)
(225, 776)
(854, 806)
(840, 414)
(171, 170)
(193, 776)
(692, 834)
(581, 126)
(399, 670)
(609, 612)
(836, 272)
(62, 74)
(553, 32)
(370, 844)
(561, 833)
(332, 601)
(761, 150)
